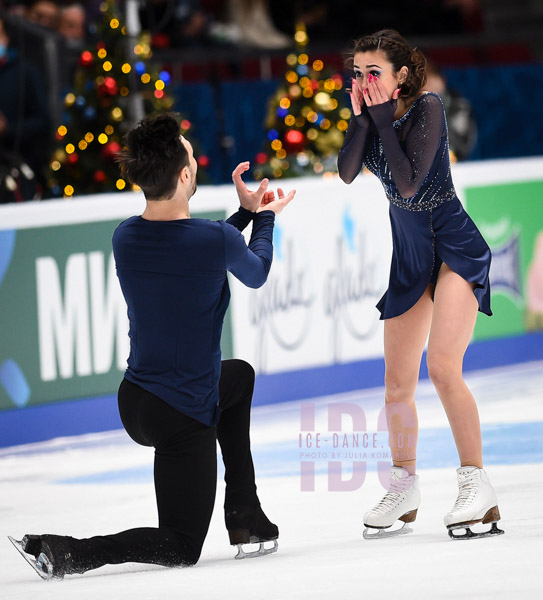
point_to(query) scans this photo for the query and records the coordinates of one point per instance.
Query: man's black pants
(185, 473)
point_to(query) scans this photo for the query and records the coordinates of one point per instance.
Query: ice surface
(102, 483)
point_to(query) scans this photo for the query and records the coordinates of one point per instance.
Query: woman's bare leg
(405, 338)
(455, 312)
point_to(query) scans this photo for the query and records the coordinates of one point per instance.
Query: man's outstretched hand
(248, 199)
(270, 202)
(261, 199)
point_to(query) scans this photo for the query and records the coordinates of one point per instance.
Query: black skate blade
(262, 550)
(384, 532)
(41, 565)
(473, 535)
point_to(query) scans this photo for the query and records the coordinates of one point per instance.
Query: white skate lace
(395, 494)
(466, 494)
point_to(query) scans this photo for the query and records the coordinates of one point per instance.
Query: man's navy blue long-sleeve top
(173, 275)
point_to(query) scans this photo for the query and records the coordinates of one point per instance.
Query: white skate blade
(41, 565)
(262, 550)
(472, 535)
(382, 532)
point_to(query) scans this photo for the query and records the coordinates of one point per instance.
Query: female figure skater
(438, 278)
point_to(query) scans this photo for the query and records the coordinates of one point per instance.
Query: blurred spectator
(176, 23)
(44, 13)
(349, 19)
(72, 26)
(249, 23)
(13, 7)
(445, 16)
(335, 22)
(469, 11)
(24, 124)
(460, 119)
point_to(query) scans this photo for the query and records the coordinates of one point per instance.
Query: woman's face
(376, 64)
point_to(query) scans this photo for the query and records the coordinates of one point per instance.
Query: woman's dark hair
(399, 53)
(153, 156)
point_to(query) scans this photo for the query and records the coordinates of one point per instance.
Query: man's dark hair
(154, 155)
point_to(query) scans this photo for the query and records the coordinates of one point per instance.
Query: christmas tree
(306, 120)
(114, 87)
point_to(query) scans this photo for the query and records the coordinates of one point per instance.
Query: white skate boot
(476, 503)
(400, 503)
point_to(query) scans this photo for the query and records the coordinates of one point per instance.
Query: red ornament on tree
(110, 150)
(294, 140)
(109, 87)
(160, 40)
(85, 60)
(99, 176)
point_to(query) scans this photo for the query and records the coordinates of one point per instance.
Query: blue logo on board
(12, 378)
(505, 271)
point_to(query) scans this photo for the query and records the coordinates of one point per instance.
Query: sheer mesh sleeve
(410, 161)
(351, 155)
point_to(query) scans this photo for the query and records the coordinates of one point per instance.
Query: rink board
(312, 329)
(100, 413)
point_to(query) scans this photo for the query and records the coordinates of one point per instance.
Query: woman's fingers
(377, 91)
(357, 99)
(360, 96)
(355, 103)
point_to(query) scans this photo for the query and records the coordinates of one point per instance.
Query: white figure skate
(400, 503)
(476, 503)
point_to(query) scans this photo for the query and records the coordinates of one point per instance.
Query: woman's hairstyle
(153, 156)
(399, 53)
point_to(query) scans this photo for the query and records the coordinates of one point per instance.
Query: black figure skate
(48, 555)
(249, 525)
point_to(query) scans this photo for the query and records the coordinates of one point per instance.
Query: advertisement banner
(63, 319)
(63, 323)
(510, 217)
(331, 264)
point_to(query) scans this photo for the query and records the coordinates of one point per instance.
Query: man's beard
(194, 184)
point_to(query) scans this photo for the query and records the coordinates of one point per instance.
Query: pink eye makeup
(360, 75)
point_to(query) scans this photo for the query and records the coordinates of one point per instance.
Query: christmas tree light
(100, 109)
(306, 120)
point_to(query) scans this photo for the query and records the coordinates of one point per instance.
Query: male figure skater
(176, 395)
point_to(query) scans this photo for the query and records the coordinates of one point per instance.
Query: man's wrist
(246, 210)
(265, 211)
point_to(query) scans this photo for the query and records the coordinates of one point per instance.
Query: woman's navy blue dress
(429, 224)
